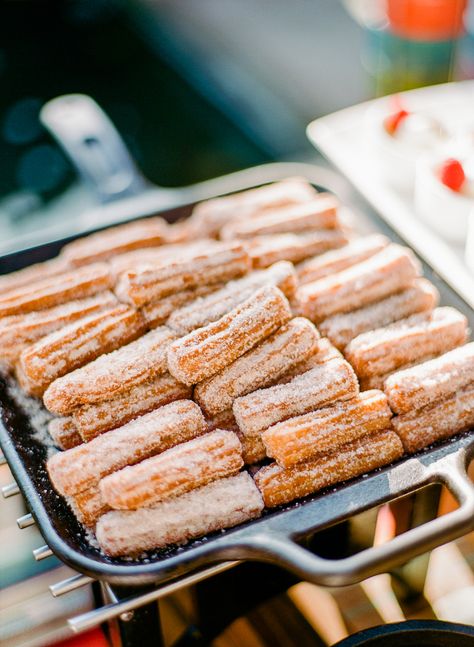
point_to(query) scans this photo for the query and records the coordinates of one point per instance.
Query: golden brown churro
(220, 504)
(390, 271)
(149, 283)
(208, 217)
(76, 344)
(157, 312)
(259, 367)
(422, 335)
(420, 428)
(431, 381)
(112, 373)
(88, 506)
(320, 432)
(207, 350)
(64, 433)
(82, 467)
(279, 485)
(422, 296)
(340, 259)
(54, 290)
(320, 213)
(92, 420)
(32, 273)
(208, 309)
(266, 250)
(102, 245)
(329, 382)
(177, 470)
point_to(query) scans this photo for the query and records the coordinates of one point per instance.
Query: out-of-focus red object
(426, 19)
(452, 174)
(93, 638)
(392, 122)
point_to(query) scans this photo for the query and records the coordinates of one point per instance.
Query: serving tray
(279, 536)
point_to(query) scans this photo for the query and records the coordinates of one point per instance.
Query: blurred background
(197, 89)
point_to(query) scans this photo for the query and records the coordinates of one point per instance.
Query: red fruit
(452, 174)
(392, 122)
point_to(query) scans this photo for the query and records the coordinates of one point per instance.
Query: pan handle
(282, 549)
(93, 145)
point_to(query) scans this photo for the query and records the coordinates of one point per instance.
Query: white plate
(342, 138)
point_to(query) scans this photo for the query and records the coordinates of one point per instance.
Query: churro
(431, 381)
(208, 217)
(149, 283)
(111, 373)
(387, 272)
(253, 449)
(64, 433)
(329, 382)
(205, 351)
(259, 367)
(177, 470)
(340, 259)
(323, 352)
(158, 312)
(18, 331)
(208, 309)
(218, 505)
(422, 427)
(55, 290)
(32, 273)
(92, 420)
(422, 335)
(266, 250)
(82, 467)
(222, 420)
(320, 213)
(279, 486)
(342, 328)
(320, 432)
(88, 506)
(146, 232)
(76, 344)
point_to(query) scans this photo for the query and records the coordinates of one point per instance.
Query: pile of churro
(248, 356)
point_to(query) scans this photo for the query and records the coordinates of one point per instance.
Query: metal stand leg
(139, 627)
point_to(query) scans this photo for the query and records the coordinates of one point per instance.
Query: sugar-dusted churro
(320, 213)
(157, 312)
(208, 309)
(64, 433)
(88, 506)
(279, 485)
(92, 420)
(18, 331)
(218, 505)
(340, 259)
(78, 343)
(149, 283)
(422, 427)
(323, 431)
(207, 350)
(177, 470)
(323, 352)
(222, 420)
(329, 382)
(378, 381)
(32, 273)
(431, 381)
(112, 373)
(422, 296)
(422, 335)
(54, 290)
(253, 449)
(266, 250)
(152, 256)
(146, 232)
(82, 467)
(387, 272)
(259, 367)
(208, 217)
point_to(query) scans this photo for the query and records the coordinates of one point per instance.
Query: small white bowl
(445, 211)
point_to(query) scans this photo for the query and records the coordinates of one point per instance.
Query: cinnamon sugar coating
(180, 469)
(88, 506)
(64, 433)
(266, 250)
